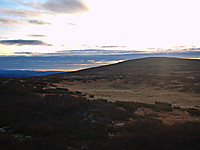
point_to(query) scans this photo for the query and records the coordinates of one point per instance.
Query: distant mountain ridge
(26, 73)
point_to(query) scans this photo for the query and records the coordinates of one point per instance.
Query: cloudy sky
(48, 26)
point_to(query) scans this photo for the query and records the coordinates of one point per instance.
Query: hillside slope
(185, 71)
(147, 80)
(146, 65)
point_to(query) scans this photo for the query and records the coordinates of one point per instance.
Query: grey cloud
(61, 6)
(27, 53)
(36, 35)
(72, 24)
(8, 21)
(24, 42)
(38, 22)
(194, 49)
(19, 13)
(182, 49)
(14, 22)
(65, 6)
(111, 46)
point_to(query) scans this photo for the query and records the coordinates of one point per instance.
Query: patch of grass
(126, 105)
(193, 111)
(91, 96)
(101, 100)
(78, 92)
(62, 89)
(162, 106)
(70, 92)
(132, 106)
(176, 107)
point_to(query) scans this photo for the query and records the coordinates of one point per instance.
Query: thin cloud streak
(72, 24)
(112, 46)
(15, 22)
(36, 35)
(24, 42)
(38, 22)
(23, 53)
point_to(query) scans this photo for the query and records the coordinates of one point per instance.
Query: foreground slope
(43, 113)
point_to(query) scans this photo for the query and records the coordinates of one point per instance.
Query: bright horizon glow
(65, 70)
(125, 25)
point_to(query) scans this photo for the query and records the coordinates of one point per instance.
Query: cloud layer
(65, 6)
(24, 42)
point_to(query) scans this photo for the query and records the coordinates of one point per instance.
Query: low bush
(193, 111)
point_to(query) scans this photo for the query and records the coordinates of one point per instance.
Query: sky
(51, 26)
(76, 30)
